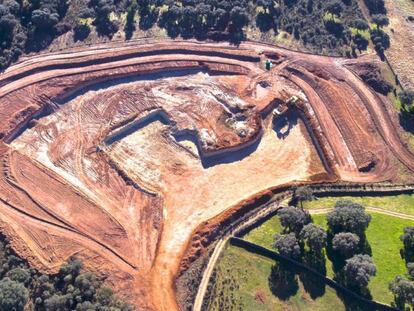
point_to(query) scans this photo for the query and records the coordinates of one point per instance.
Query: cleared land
(401, 32)
(130, 156)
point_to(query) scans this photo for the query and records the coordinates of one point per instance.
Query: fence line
(252, 247)
(260, 213)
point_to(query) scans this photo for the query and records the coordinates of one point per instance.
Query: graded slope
(118, 154)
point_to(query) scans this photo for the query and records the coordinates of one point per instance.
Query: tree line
(403, 285)
(321, 26)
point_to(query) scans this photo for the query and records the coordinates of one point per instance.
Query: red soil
(139, 210)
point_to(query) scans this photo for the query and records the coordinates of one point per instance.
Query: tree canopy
(403, 291)
(358, 270)
(69, 289)
(303, 194)
(348, 216)
(13, 295)
(380, 19)
(408, 240)
(345, 243)
(293, 219)
(287, 245)
(32, 25)
(313, 237)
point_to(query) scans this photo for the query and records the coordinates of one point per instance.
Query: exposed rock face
(119, 155)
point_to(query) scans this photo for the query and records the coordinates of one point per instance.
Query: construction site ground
(122, 155)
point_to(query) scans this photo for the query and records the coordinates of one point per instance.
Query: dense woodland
(323, 26)
(22, 288)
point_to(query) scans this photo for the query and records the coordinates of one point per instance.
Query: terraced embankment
(131, 157)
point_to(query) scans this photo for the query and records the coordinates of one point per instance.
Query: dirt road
(319, 211)
(58, 110)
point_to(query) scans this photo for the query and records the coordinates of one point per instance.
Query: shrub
(407, 98)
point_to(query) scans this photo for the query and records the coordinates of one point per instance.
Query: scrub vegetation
(328, 27)
(23, 288)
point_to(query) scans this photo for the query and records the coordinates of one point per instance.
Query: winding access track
(41, 95)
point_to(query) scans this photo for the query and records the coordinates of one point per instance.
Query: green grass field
(241, 283)
(383, 235)
(263, 235)
(403, 203)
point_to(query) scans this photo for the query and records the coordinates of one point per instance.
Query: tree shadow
(38, 41)
(365, 247)
(81, 32)
(314, 285)
(352, 304)
(283, 124)
(282, 281)
(105, 27)
(407, 121)
(338, 263)
(147, 20)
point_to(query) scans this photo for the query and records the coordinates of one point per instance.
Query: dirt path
(319, 211)
(207, 274)
(216, 255)
(194, 194)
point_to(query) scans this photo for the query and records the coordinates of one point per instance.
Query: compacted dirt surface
(122, 155)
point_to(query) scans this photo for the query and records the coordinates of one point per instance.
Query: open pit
(117, 155)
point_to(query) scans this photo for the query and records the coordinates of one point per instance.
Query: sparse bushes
(407, 100)
(377, 82)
